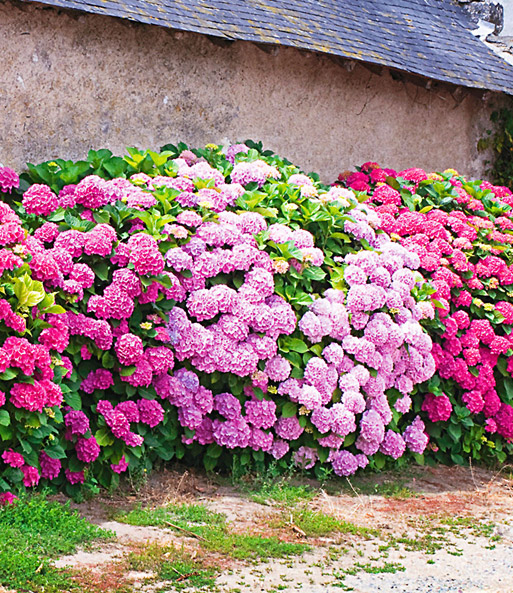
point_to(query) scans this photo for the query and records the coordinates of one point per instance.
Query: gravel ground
(473, 555)
(477, 570)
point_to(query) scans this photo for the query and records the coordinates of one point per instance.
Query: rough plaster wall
(72, 81)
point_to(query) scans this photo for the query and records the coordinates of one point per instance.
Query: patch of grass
(255, 547)
(434, 533)
(426, 543)
(316, 524)
(195, 518)
(370, 568)
(212, 531)
(471, 524)
(272, 485)
(282, 492)
(388, 567)
(173, 566)
(33, 531)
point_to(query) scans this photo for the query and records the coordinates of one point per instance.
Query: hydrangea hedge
(462, 232)
(205, 305)
(222, 306)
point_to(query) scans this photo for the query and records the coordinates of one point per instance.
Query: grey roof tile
(430, 38)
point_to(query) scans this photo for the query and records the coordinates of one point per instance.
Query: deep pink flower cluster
(28, 354)
(40, 199)
(463, 250)
(8, 179)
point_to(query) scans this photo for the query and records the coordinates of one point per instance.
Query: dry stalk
(191, 533)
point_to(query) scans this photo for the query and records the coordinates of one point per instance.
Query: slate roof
(431, 38)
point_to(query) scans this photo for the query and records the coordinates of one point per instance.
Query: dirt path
(438, 530)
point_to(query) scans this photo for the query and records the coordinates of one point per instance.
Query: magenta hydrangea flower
(227, 405)
(87, 449)
(7, 498)
(415, 437)
(316, 371)
(28, 396)
(99, 379)
(344, 463)
(77, 422)
(504, 422)
(322, 419)
(147, 260)
(129, 349)
(279, 448)
(439, 408)
(150, 412)
(40, 199)
(393, 444)
(119, 467)
(12, 458)
(50, 468)
(8, 179)
(74, 477)
(31, 476)
(261, 413)
(232, 433)
(342, 420)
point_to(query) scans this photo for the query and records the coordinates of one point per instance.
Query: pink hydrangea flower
(439, 408)
(8, 179)
(40, 199)
(74, 477)
(120, 467)
(129, 349)
(30, 476)
(87, 449)
(150, 412)
(50, 468)
(12, 458)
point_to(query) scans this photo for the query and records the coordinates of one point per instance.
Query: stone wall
(72, 81)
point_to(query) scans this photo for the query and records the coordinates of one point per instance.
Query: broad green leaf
(73, 399)
(289, 410)
(103, 437)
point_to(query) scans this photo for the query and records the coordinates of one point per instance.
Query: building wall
(71, 81)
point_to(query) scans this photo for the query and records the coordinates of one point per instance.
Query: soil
(455, 525)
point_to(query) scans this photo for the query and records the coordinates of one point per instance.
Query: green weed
(282, 492)
(316, 524)
(472, 525)
(273, 486)
(436, 533)
(388, 567)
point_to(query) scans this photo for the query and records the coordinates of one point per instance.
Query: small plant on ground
(273, 486)
(174, 569)
(317, 523)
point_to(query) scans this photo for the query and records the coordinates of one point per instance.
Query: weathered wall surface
(70, 82)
